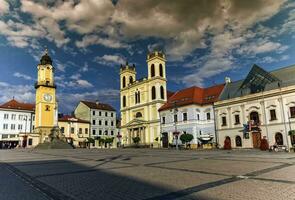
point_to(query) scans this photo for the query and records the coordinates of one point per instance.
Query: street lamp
(175, 111)
(25, 137)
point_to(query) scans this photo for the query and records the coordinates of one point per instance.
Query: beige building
(141, 99)
(260, 106)
(75, 130)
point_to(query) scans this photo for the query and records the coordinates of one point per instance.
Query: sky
(204, 42)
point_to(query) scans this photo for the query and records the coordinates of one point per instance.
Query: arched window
(279, 139)
(153, 92)
(238, 141)
(130, 80)
(152, 70)
(255, 117)
(138, 97)
(162, 92)
(124, 81)
(161, 70)
(138, 115)
(124, 101)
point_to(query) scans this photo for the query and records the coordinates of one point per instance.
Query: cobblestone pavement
(146, 174)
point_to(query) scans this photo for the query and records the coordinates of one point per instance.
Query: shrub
(136, 140)
(186, 138)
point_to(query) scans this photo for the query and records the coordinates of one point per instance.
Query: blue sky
(204, 41)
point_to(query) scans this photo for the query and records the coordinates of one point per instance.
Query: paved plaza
(146, 174)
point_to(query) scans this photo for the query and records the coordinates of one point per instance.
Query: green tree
(136, 140)
(109, 141)
(90, 140)
(186, 138)
(101, 141)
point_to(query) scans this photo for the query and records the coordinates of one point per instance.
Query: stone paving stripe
(38, 185)
(273, 180)
(263, 171)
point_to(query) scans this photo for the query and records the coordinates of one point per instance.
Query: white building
(190, 111)
(102, 118)
(16, 118)
(266, 101)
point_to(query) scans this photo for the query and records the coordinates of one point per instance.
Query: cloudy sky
(88, 40)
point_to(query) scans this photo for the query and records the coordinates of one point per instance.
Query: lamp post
(175, 111)
(25, 137)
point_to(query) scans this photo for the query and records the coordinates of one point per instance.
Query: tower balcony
(45, 84)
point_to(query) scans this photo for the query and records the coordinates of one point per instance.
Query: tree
(90, 140)
(109, 141)
(101, 141)
(186, 138)
(136, 140)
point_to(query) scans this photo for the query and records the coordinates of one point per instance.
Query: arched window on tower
(130, 79)
(153, 92)
(124, 101)
(124, 82)
(162, 92)
(138, 97)
(161, 70)
(152, 70)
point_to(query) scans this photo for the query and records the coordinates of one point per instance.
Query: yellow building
(141, 99)
(75, 130)
(46, 106)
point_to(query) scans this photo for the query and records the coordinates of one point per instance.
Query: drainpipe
(284, 117)
(215, 127)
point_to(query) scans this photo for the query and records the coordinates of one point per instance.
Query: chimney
(227, 80)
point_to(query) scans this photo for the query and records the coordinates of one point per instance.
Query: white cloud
(110, 60)
(89, 40)
(262, 46)
(84, 83)
(24, 76)
(24, 93)
(4, 7)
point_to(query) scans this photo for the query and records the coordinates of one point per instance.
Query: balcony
(45, 84)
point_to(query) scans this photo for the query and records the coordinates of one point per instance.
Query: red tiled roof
(69, 118)
(169, 94)
(99, 106)
(13, 104)
(193, 95)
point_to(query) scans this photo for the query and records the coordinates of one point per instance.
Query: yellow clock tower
(46, 106)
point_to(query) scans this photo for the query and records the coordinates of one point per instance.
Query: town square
(147, 99)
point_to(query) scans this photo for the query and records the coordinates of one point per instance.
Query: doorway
(256, 138)
(165, 140)
(279, 139)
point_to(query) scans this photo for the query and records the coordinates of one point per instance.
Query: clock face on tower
(47, 97)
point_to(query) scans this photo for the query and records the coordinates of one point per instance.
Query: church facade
(141, 99)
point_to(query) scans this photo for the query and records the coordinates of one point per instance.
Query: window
(292, 112)
(93, 132)
(99, 113)
(72, 130)
(273, 115)
(137, 97)
(112, 114)
(30, 141)
(86, 130)
(20, 117)
(238, 141)
(99, 122)
(162, 92)
(80, 130)
(5, 116)
(93, 112)
(5, 126)
(62, 129)
(152, 70)
(106, 132)
(208, 116)
(93, 122)
(20, 127)
(198, 116)
(112, 132)
(13, 116)
(112, 123)
(223, 119)
(163, 120)
(130, 80)
(175, 118)
(124, 101)
(4, 136)
(161, 70)
(100, 132)
(106, 123)
(138, 115)
(106, 114)
(124, 81)
(12, 126)
(237, 119)
(184, 116)
(47, 108)
(153, 92)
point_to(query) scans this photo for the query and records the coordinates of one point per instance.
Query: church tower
(46, 106)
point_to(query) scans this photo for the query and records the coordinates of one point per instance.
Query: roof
(259, 80)
(15, 105)
(98, 106)
(193, 95)
(169, 94)
(69, 118)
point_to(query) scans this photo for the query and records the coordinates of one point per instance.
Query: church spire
(45, 59)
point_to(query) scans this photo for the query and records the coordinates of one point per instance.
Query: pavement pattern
(155, 174)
